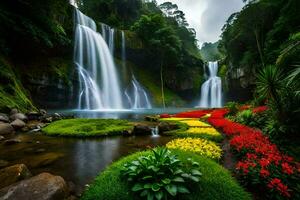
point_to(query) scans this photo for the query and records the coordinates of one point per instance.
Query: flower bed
(260, 161)
(189, 114)
(200, 146)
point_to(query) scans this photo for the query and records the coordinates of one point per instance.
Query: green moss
(152, 83)
(87, 127)
(216, 182)
(12, 93)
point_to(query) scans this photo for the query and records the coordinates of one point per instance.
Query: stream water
(80, 160)
(76, 160)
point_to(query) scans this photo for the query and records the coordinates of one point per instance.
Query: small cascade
(99, 84)
(211, 90)
(137, 96)
(123, 49)
(155, 131)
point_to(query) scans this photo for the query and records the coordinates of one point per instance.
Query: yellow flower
(195, 123)
(200, 146)
(209, 131)
(175, 119)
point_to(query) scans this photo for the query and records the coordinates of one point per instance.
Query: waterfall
(99, 84)
(123, 49)
(137, 95)
(108, 34)
(211, 90)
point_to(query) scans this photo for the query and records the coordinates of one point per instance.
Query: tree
(161, 39)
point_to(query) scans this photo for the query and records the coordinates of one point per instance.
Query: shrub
(245, 117)
(216, 182)
(232, 107)
(197, 145)
(160, 175)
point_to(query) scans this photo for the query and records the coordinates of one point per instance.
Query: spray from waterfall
(211, 90)
(99, 83)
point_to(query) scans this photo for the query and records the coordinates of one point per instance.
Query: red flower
(260, 109)
(244, 107)
(193, 114)
(165, 116)
(278, 185)
(264, 173)
(287, 169)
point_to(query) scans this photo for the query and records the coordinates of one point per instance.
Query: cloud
(207, 17)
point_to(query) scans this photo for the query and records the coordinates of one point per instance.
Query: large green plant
(270, 84)
(161, 175)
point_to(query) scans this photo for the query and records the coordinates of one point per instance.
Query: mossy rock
(87, 127)
(216, 182)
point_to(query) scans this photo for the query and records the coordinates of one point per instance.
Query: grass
(216, 182)
(87, 127)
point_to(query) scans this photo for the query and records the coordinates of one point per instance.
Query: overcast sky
(207, 17)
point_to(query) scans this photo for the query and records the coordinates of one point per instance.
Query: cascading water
(137, 97)
(108, 34)
(211, 90)
(99, 84)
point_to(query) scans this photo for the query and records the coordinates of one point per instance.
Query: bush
(216, 182)
(160, 175)
(232, 107)
(245, 117)
(87, 127)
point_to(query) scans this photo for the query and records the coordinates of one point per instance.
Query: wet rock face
(13, 174)
(141, 130)
(44, 186)
(6, 129)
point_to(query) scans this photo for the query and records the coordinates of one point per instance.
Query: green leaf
(172, 189)
(194, 178)
(155, 187)
(137, 187)
(178, 179)
(147, 177)
(159, 195)
(196, 172)
(166, 181)
(183, 190)
(150, 196)
(147, 186)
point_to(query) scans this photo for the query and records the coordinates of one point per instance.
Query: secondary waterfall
(137, 96)
(211, 90)
(99, 84)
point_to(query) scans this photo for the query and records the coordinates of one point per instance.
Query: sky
(207, 17)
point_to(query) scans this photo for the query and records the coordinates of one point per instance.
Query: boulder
(6, 128)
(12, 141)
(33, 115)
(142, 130)
(14, 111)
(18, 124)
(43, 112)
(44, 186)
(13, 174)
(152, 118)
(164, 126)
(19, 116)
(4, 118)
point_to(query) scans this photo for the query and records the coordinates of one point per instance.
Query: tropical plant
(270, 84)
(232, 108)
(245, 117)
(160, 175)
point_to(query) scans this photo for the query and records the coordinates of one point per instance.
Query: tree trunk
(162, 85)
(259, 48)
